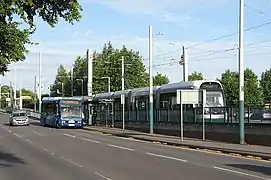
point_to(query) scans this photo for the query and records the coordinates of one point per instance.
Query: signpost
(123, 112)
(191, 97)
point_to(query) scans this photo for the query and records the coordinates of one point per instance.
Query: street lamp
(108, 78)
(71, 82)
(82, 85)
(62, 88)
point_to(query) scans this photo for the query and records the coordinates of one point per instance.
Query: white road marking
(240, 173)
(120, 147)
(102, 176)
(89, 140)
(17, 135)
(40, 134)
(27, 140)
(71, 162)
(167, 157)
(6, 129)
(45, 149)
(69, 135)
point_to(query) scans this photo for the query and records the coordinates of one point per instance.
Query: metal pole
(181, 114)
(15, 88)
(122, 88)
(241, 73)
(82, 87)
(203, 112)
(185, 65)
(62, 89)
(39, 82)
(90, 78)
(35, 92)
(150, 81)
(108, 84)
(0, 92)
(10, 84)
(72, 81)
(21, 100)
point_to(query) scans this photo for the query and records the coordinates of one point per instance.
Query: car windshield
(18, 114)
(71, 111)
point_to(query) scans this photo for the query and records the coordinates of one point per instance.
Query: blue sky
(182, 22)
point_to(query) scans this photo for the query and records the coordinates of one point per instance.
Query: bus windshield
(71, 111)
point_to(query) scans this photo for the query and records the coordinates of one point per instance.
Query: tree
(61, 85)
(195, 76)
(160, 79)
(108, 64)
(13, 39)
(7, 92)
(265, 84)
(253, 93)
(26, 92)
(230, 83)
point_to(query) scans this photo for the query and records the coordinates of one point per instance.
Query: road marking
(40, 134)
(17, 135)
(102, 176)
(69, 135)
(45, 149)
(241, 173)
(120, 147)
(27, 140)
(6, 129)
(71, 162)
(167, 157)
(89, 140)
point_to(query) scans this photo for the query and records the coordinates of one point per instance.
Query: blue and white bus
(62, 112)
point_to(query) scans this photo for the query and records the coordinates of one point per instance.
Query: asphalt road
(41, 153)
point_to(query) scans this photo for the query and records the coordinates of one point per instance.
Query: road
(42, 153)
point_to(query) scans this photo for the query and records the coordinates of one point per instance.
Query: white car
(18, 118)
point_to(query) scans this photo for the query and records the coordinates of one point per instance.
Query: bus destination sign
(70, 102)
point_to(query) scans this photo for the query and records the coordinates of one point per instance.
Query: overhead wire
(215, 39)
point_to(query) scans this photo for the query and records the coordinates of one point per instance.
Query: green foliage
(195, 76)
(160, 79)
(107, 63)
(6, 92)
(26, 92)
(61, 85)
(13, 38)
(253, 93)
(230, 82)
(265, 83)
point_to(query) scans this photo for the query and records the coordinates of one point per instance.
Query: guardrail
(30, 112)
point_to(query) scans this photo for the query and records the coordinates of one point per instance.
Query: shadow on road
(35, 123)
(8, 159)
(254, 168)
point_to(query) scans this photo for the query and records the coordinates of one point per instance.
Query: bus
(62, 112)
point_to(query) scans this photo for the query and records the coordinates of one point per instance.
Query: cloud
(171, 11)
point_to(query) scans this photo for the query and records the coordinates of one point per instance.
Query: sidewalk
(250, 151)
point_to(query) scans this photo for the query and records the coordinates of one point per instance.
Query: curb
(232, 152)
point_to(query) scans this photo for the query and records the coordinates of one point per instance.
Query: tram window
(141, 104)
(164, 104)
(50, 109)
(117, 105)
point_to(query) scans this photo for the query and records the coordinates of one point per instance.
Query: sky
(187, 23)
